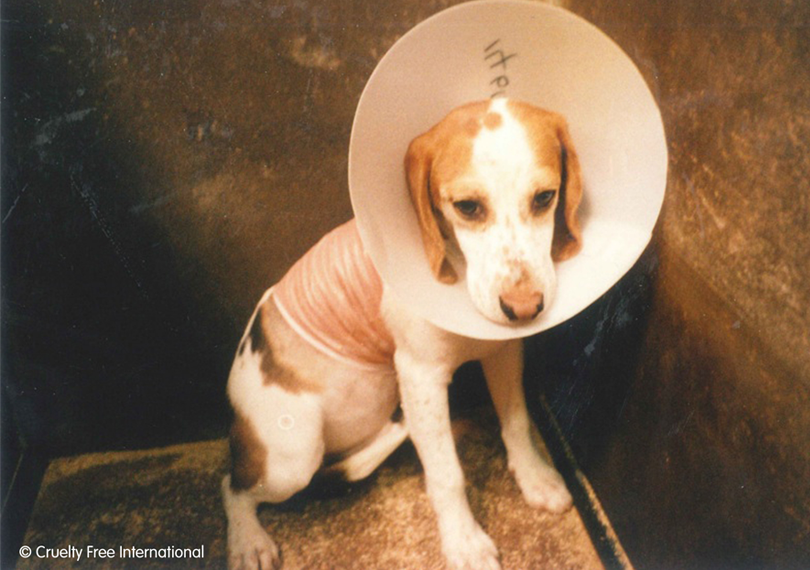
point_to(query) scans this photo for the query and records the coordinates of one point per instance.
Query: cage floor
(169, 498)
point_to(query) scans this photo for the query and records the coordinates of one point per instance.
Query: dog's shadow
(326, 486)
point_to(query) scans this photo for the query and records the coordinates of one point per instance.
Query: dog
(331, 354)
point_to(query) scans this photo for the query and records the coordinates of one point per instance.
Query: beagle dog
(330, 354)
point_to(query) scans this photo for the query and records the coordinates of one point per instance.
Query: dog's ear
(567, 233)
(417, 169)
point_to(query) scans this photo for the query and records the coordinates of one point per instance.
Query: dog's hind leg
(274, 455)
(362, 463)
(249, 546)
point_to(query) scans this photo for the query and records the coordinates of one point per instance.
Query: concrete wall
(165, 162)
(709, 463)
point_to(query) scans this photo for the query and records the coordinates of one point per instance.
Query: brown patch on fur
(471, 127)
(248, 455)
(435, 157)
(272, 371)
(284, 378)
(492, 121)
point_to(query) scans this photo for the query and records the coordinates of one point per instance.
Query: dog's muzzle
(521, 306)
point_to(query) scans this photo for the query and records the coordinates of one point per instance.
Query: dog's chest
(332, 296)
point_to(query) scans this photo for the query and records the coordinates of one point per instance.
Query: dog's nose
(521, 306)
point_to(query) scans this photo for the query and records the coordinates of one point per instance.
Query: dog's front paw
(542, 486)
(468, 547)
(251, 548)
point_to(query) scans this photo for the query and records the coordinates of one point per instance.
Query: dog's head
(499, 179)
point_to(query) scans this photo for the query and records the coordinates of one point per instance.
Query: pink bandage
(331, 297)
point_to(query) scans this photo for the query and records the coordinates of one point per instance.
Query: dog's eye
(541, 200)
(470, 209)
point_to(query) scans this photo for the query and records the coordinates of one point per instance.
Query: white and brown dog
(498, 182)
